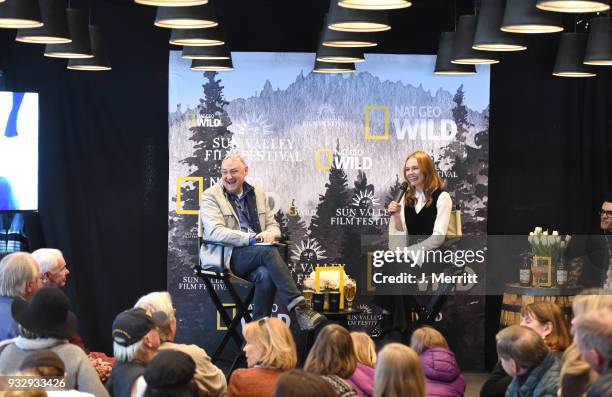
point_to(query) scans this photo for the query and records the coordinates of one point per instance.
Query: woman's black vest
(420, 226)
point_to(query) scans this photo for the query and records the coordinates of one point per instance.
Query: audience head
(53, 270)
(594, 338)
(606, 208)
(398, 372)
(365, 349)
(161, 302)
(136, 335)
(269, 344)
(296, 383)
(548, 321)
(43, 363)
(46, 315)
(589, 300)
(427, 338)
(170, 374)
(19, 275)
(332, 353)
(520, 349)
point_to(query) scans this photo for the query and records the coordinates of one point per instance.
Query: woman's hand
(394, 207)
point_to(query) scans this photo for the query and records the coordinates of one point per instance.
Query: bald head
(522, 345)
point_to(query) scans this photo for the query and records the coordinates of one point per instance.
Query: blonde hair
(398, 373)
(432, 181)
(332, 353)
(365, 349)
(545, 312)
(576, 374)
(273, 337)
(591, 299)
(426, 338)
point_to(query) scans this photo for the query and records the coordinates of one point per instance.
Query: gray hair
(47, 258)
(594, 331)
(521, 344)
(159, 302)
(126, 354)
(16, 270)
(234, 155)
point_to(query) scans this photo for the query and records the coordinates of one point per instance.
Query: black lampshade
(488, 36)
(339, 54)
(574, 5)
(210, 52)
(20, 14)
(186, 17)
(100, 60)
(171, 3)
(198, 37)
(80, 46)
(336, 38)
(375, 4)
(445, 55)
(464, 39)
(55, 28)
(352, 20)
(330, 67)
(521, 16)
(570, 56)
(210, 65)
(599, 45)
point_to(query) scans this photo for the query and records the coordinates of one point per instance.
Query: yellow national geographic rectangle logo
(370, 287)
(329, 155)
(375, 135)
(179, 203)
(222, 327)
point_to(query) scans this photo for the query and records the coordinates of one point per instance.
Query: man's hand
(266, 237)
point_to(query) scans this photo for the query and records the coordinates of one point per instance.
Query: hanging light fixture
(210, 52)
(330, 67)
(20, 14)
(335, 38)
(488, 36)
(100, 60)
(599, 44)
(351, 20)
(375, 4)
(212, 65)
(570, 55)
(80, 46)
(197, 37)
(339, 54)
(55, 25)
(445, 55)
(463, 53)
(171, 3)
(574, 5)
(521, 16)
(186, 17)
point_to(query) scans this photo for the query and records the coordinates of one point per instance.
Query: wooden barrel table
(516, 296)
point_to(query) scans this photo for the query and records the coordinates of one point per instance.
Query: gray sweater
(80, 373)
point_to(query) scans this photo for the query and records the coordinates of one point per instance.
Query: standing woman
(420, 220)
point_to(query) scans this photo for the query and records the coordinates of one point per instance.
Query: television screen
(18, 151)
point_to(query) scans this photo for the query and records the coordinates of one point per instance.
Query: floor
(474, 382)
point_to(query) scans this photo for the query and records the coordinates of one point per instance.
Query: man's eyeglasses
(603, 212)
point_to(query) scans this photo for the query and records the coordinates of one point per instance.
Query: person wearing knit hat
(170, 374)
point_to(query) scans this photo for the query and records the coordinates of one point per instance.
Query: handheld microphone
(402, 191)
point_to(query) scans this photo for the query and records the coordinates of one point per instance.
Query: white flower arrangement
(328, 279)
(543, 244)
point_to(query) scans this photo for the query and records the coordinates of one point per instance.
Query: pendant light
(599, 44)
(20, 14)
(197, 37)
(351, 20)
(339, 54)
(55, 25)
(186, 17)
(488, 36)
(574, 5)
(100, 60)
(80, 46)
(570, 56)
(330, 67)
(521, 16)
(210, 52)
(212, 65)
(463, 53)
(336, 38)
(375, 4)
(171, 3)
(445, 55)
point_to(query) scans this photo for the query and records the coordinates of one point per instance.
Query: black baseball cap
(132, 325)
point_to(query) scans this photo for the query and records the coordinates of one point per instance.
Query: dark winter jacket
(542, 381)
(602, 387)
(443, 377)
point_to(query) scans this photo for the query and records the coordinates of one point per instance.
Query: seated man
(593, 336)
(236, 214)
(53, 269)
(525, 357)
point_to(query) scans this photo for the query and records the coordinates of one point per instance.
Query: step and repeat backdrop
(329, 150)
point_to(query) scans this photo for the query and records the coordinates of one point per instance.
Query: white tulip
(538, 230)
(555, 233)
(531, 233)
(545, 233)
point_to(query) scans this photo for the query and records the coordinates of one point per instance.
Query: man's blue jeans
(263, 266)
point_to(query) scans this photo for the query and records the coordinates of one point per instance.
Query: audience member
(398, 373)
(270, 350)
(333, 357)
(19, 278)
(53, 270)
(525, 357)
(46, 323)
(135, 342)
(171, 374)
(443, 377)
(365, 352)
(296, 383)
(208, 378)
